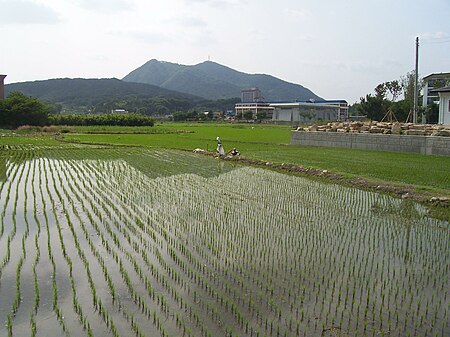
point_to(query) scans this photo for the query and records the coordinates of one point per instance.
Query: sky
(338, 49)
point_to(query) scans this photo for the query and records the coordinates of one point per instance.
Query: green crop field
(109, 241)
(270, 143)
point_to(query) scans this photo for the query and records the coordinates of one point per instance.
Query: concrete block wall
(434, 145)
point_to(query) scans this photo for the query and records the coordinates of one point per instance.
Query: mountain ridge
(102, 95)
(53, 89)
(212, 80)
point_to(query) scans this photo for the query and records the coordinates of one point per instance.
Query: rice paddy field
(104, 241)
(270, 143)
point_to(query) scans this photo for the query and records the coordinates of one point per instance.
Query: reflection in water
(201, 234)
(2, 168)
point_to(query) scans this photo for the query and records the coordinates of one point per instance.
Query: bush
(29, 129)
(102, 119)
(18, 109)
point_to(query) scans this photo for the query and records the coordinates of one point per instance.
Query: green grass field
(270, 143)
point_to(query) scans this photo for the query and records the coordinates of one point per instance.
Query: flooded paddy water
(135, 242)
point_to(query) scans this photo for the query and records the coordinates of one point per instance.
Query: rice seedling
(242, 252)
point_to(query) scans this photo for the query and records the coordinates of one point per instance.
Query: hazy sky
(340, 49)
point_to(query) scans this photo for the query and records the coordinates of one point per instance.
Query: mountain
(102, 95)
(91, 91)
(213, 81)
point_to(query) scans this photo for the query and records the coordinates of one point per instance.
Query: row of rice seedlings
(135, 244)
(97, 300)
(16, 198)
(17, 300)
(230, 290)
(134, 295)
(381, 270)
(140, 273)
(171, 272)
(274, 261)
(100, 307)
(108, 279)
(55, 307)
(5, 202)
(201, 282)
(7, 257)
(319, 264)
(38, 252)
(76, 305)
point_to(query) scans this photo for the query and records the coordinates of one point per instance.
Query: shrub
(102, 119)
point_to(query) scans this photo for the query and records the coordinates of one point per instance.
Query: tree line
(18, 109)
(383, 103)
(117, 119)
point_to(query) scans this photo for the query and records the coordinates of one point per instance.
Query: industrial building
(292, 112)
(251, 95)
(255, 108)
(307, 111)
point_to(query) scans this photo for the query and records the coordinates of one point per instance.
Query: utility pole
(416, 84)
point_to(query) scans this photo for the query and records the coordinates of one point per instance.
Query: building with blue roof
(295, 112)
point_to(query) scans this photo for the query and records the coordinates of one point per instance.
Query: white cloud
(434, 37)
(147, 37)
(106, 6)
(357, 67)
(218, 3)
(297, 13)
(26, 12)
(188, 22)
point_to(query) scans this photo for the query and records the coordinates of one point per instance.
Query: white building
(255, 108)
(430, 84)
(119, 111)
(444, 105)
(303, 112)
(251, 95)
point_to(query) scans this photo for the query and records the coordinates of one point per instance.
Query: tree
(380, 91)
(374, 107)
(394, 89)
(383, 105)
(18, 109)
(407, 83)
(432, 113)
(248, 114)
(401, 109)
(261, 114)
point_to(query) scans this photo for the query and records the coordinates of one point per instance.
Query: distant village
(299, 112)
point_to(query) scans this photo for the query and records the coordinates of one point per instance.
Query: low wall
(379, 142)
